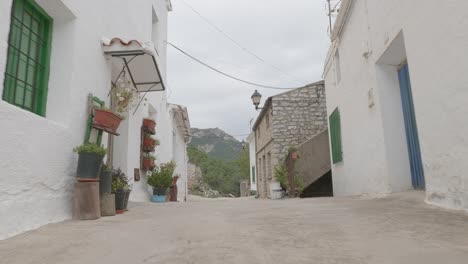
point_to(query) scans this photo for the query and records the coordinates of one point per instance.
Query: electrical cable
(237, 43)
(226, 74)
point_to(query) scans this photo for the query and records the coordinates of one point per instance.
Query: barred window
(29, 45)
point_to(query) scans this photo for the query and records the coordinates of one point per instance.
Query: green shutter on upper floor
(28, 57)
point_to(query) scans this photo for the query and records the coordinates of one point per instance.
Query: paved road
(397, 229)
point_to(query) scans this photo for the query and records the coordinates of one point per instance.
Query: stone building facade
(287, 119)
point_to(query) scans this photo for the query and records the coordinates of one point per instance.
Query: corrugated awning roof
(140, 60)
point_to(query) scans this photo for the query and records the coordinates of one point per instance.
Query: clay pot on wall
(148, 164)
(149, 144)
(149, 125)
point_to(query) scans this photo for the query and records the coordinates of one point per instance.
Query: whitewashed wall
(36, 159)
(377, 36)
(251, 141)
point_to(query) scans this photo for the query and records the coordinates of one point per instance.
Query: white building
(61, 46)
(397, 99)
(253, 170)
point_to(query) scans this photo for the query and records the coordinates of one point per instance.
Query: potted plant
(149, 143)
(148, 162)
(121, 190)
(105, 182)
(124, 95)
(105, 118)
(293, 152)
(161, 179)
(149, 125)
(89, 161)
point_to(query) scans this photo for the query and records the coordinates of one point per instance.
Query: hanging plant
(125, 95)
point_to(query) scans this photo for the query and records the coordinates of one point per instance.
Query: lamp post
(256, 98)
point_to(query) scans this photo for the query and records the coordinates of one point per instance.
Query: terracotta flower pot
(107, 119)
(149, 125)
(148, 164)
(148, 144)
(294, 155)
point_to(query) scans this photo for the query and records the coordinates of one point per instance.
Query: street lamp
(256, 98)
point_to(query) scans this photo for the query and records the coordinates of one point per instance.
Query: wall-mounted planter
(107, 119)
(159, 195)
(149, 126)
(149, 144)
(148, 164)
(89, 166)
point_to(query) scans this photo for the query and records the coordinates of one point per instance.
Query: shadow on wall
(323, 187)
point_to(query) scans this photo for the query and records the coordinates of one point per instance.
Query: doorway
(411, 130)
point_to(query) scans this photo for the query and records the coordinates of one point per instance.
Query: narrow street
(395, 229)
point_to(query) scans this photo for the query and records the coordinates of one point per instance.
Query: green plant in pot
(293, 152)
(121, 189)
(105, 181)
(89, 161)
(161, 179)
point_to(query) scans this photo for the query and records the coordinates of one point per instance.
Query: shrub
(91, 148)
(161, 177)
(281, 176)
(119, 181)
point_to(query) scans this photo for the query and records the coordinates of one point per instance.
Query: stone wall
(298, 115)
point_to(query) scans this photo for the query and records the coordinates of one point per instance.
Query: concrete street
(396, 229)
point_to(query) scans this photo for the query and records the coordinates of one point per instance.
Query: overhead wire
(226, 74)
(238, 44)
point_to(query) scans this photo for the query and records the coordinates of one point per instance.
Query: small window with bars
(335, 136)
(29, 45)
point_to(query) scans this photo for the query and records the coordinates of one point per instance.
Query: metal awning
(139, 60)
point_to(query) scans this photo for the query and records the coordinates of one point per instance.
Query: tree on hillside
(222, 176)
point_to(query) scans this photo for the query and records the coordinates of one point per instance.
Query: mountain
(216, 143)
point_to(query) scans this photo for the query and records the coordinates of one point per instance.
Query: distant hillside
(216, 143)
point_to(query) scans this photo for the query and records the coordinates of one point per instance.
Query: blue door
(412, 139)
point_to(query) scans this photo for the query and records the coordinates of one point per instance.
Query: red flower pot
(148, 164)
(294, 155)
(149, 125)
(107, 119)
(148, 144)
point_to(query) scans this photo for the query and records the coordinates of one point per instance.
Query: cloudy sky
(289, 34)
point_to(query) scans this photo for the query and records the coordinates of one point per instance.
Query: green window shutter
(28, 58)
(335, 136)
(253, 173)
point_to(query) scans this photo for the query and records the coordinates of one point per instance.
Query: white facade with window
(36, 159)
(373, 42)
